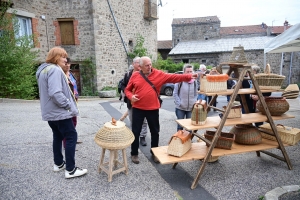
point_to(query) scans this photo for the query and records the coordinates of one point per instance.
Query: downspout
(291, 64)
(112, 13)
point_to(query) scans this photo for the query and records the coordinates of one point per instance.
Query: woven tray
(224, 141)
(287, 134)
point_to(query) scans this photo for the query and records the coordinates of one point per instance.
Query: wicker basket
(116, 136)
(287, 134)
(206, 86)
(276, 105)
(180, 143)
(235, 111)
(268, 81)
(246, 134)
(224, 141)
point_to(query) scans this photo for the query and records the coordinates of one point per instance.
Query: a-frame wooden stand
(240, 72)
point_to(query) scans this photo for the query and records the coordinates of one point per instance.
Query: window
(67, 31)
(24, 28)
(185, 60)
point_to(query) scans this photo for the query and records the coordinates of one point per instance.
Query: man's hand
(195, 75)
(134, 98)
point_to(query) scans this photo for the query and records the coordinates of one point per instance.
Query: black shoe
(143, 141)
(135, 159)
(155, 159)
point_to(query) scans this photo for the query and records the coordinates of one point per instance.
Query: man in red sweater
(145, 103)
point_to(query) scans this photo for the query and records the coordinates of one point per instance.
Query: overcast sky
(230, 12)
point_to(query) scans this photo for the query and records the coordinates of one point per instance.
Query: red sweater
(147, 96)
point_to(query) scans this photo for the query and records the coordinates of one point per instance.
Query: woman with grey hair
(185, 94)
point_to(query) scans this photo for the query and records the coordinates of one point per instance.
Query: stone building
(101, 30)
(203, 40)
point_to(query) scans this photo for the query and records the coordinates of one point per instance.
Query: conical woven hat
(292, 87)
(114, 136)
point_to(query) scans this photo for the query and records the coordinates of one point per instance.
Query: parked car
(167, 89)
(179, 72)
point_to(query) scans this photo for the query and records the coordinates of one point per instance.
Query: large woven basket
(116, 136)
(288, 135)
(207, 86)
(276, 105)
(246, 134)
(269, 81)
(224, 141)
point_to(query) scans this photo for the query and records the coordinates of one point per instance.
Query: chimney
(286, 23)
(268, 31)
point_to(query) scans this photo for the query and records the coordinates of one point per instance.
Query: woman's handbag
(180, 143)
(199, 113)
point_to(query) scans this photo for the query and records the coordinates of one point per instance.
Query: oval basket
(246, 134)
(276, 105)
(114, 136)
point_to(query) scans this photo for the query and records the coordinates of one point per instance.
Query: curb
(277, 192)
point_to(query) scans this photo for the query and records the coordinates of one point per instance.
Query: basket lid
(114, 135)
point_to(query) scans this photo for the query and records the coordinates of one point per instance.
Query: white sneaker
(75, 172)
(59, 168)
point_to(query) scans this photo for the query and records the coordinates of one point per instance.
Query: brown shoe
(78, 142)
(135, 159)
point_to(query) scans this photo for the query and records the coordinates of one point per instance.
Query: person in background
(185, 94)
(252, 99)
(73, 87)
(202, 71)
(145, 101)
(136, 68)
(58, 107)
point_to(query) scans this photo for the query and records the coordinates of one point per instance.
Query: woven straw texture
(235, 112)
(206, 86)
(291, 92)
(246, 134)
(276, 105)
(268, 81)
(238, 55)
(177, 148)
(114, 136)
(288, 135)
(225, 140)
(199, 115)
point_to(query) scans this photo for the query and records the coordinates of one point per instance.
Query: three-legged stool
(113, 162)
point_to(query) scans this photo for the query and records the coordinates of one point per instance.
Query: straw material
(288, 135)
(276, 105)
(291, 92)
(225, 140)
(199, 115)
(114, 136)
(246, 134)
(235, 111)
(179, 145)
(269, 81)
(206, 86)
(238, 56)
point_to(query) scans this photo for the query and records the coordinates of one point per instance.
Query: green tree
(167, 65)
(17, 60)
(88, 74)
(139, 49)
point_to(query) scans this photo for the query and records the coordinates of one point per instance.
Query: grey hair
(202, 66)
(142, 60)
(187, 66)
(136, 59)
(255, 68)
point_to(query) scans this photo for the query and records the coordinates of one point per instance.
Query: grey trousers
(144, 126)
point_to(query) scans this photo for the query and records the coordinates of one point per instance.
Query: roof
(239, 30)
(196, 20)
(220, 45)
(164, 44)
(278, 29)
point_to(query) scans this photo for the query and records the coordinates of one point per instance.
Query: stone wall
(98, 36)
(201, 31)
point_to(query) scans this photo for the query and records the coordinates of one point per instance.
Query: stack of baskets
(268, 81)
(291, 92)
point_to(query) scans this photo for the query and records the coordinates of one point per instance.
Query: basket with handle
(269, 81)
(225, 140)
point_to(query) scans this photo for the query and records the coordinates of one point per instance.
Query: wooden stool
(113, 162)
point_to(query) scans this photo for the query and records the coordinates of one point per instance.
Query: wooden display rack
(201, 151)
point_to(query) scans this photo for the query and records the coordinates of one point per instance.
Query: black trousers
(138, 117)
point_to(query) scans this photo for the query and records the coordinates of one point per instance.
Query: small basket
(268, 81)
(206, 86)
(180, 143)
(224, 141)
(235, 111)
(287, 134)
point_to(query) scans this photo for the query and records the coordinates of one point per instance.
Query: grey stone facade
(98, 35)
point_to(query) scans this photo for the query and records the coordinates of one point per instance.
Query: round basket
(276, 105)
(116, 136)
(246, 134)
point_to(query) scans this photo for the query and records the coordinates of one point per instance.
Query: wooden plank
(241, 91)
(199, 150)
(213, 122)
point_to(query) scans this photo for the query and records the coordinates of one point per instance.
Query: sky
(230, 12)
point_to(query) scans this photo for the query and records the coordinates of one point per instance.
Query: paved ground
(26, 161)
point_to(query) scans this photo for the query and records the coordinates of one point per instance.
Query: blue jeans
(182, 114)
(201, 96)
(64, 129)
(138, 117)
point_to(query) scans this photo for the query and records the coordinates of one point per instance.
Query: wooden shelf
(241, 91)
(212, 122)
(199, 150)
